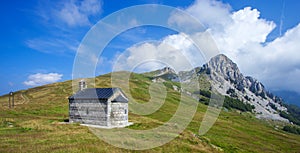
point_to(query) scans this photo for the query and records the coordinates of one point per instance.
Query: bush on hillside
(229, 103)
(291, 129)
(237, 104)
(291, 117)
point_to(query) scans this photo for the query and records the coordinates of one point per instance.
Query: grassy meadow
(36, 124)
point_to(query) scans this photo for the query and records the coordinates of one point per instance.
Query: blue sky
(39, 39)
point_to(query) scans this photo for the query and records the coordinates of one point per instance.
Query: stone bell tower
(82, 85)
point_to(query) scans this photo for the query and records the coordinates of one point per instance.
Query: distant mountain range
(289, 97)
(225, 77)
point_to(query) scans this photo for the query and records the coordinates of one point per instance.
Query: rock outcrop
(225, 76)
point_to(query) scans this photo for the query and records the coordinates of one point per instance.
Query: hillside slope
(36, 124)
(225, 77)
(228, 80)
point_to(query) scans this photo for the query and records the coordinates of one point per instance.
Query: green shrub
(229, 102)
(272, 106)
(231, 92)
(291, 117)
(237, 104)
(204, 100)
(291, 129)
(204, 93)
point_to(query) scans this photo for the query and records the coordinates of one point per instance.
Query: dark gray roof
(100, 93)
(119, 99)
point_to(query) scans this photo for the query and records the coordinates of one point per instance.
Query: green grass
(34, 125)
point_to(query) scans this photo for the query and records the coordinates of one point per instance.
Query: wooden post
(13, 100)
(9, 99)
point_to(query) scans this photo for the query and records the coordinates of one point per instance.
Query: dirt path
(25, 98)
(64, 90)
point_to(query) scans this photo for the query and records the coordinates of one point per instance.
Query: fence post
(11, 99)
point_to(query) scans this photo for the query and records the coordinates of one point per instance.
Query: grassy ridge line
(35, 126)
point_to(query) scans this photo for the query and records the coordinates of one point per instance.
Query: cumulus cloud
(75, 13)
(241, 35)
(41, 79)
(210, 12)
(176, 51)
(277, 63)
(246, 27)
(64, 22)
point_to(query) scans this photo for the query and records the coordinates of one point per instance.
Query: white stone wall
(88, 112)
(97, 112)
(119, 114)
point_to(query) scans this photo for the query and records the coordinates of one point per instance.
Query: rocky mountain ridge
(228, 80)
(225, 76)
(228, 70)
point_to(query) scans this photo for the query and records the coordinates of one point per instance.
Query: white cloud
(64, 24)
(241, 35)
(277, 63)
(75, 13)
(232, 31)
(57, 46)
(11, 84)
(176, 51)
(210, 12)
(41, 79)
(246, 27)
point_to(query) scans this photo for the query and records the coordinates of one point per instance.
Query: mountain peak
(221, 61)
(225, 67)
(227, 79)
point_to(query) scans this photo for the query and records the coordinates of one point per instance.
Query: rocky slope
(228, 80)
(225, 77)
